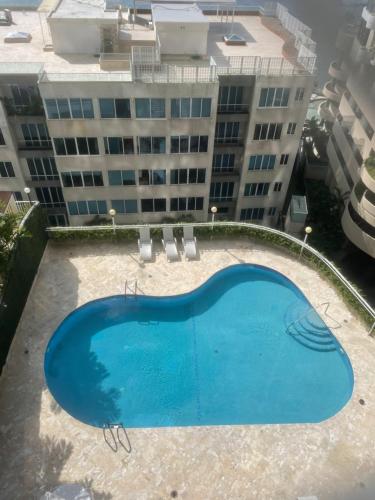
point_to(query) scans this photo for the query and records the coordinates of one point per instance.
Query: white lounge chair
(169, 244)
(189, 242)
(145, 244)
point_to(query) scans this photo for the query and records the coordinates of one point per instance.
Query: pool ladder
(131, 287)
(113, 431)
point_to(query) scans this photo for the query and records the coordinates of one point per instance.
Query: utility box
(297, 213)
(180, 29)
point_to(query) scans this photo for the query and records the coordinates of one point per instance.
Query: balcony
(359, 231)
(353, 145)
(227, 109)
(34, 108)
(336, 71)
(225, 172)
(229, 141)
(368, 174)
(34, 145)
(330, 92)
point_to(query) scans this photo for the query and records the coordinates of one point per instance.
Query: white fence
(304, 246)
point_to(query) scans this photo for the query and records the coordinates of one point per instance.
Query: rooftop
(263, 40)
(44, 446)
(83, 9)
(173, 13)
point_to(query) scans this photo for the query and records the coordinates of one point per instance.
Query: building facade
(157, 115)
(350, 109)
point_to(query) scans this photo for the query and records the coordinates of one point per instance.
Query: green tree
(9, 232)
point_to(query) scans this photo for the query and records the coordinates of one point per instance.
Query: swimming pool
(244, 348)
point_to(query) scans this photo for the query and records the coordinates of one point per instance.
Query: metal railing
(307, 248)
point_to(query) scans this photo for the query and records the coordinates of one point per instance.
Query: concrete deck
(41, 446)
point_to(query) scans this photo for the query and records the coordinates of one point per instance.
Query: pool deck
(41, 446)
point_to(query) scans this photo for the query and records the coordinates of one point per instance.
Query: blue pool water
(221, 354)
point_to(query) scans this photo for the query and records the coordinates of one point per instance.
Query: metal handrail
(256, 227)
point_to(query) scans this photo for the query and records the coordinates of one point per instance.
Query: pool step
(314, 337)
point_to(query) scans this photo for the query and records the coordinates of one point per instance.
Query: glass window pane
(158, 108)
(98, 178)
(160, 204)
(201, 175)
(270, 96)
(285, 98)
(203, 144)
(93, 145)
(199, 203)
(184, 144)
(88, 179)
(194, 144)
(72, 207)
(128, 177)
(145, 145)
(75, 106)
(51, 107)
(82, 146)
(102, 207)
(193, 175)
(196, 104)
(158, 177)
(174, 204)
(59, 146)
(181, 204)
(87, 107)
(114, 177)
(63, 107)
(144, 177)
(118, 205)
(174, 176)
(128, 145)
(66, 179)
(76, 179)
(183, 176)
(263, 97)
(158, 145)
(175, 108)
(131, 206)
(278, 97)
(107, 108)
(82, 208)
(122, 108)
(206, 107)
(70, 145)
(147, 205)
(175, 144)
(142, 108)
(92, 207)
(185, 107)
(115, 145)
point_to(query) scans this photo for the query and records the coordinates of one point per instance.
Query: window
(121, 177)
(114, 108)
(262, 162)
(272, 211)
(291, 128)
(50, 197)
(186, 144)
(87, 178)
(188, 176)
(150, 108)
(151, 145)
(2, 140)
(252, 214)
(87, 207)
(24, 95)
(56, 220)
(267, 131)
(152, 177)
(6, 169)
(300, 92)
(272, 97)
(18, 195)
(186, 107)
(118, 145)
(66, 146)
(284, 158)
(125, 206)
(223, 162)
(230, 100)
(221, 191)
(35, 135)
(277, 187)
(153, 205)
(69, 108)
(42, 169)
(183, 204)
(257, 189)
(227, 132)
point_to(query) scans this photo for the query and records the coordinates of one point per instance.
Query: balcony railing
(34, 108)
(232, 108)
(34, 145)
(226, 171)
(228, 141)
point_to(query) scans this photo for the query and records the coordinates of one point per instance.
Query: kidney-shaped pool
(246, 347)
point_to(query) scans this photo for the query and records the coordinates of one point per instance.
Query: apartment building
(156, 114)
(350, 111)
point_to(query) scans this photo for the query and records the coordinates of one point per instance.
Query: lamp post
(112, 213)
(213, 211)
(308, 230)
(27, 191)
